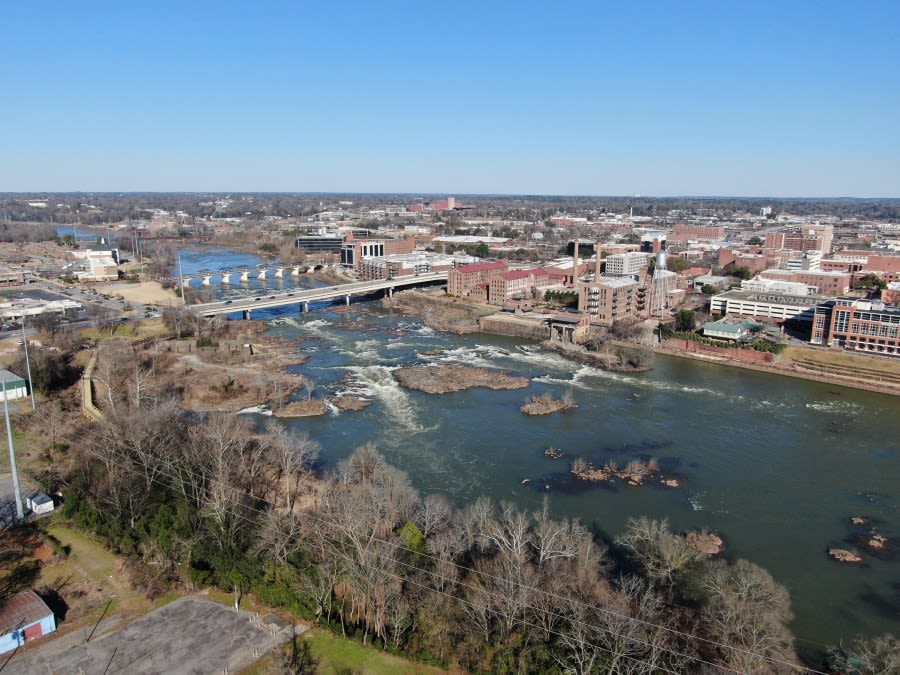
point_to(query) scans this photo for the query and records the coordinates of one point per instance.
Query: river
(776, 465)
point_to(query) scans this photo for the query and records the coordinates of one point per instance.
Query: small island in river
(447, 379)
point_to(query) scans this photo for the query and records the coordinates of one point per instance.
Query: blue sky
(652, 98)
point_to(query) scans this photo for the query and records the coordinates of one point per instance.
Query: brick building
(732, 258)
(354, 251)
(609, 299)
(857, 325)
(463, 280)
(685, 233)
(806, 238)
(516, 284)
(821, 283)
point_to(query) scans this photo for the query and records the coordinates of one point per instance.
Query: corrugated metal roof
(21, 610)
(11, 378)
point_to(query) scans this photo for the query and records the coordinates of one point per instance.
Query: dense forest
(213, 500)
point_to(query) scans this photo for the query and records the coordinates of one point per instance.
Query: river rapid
(775, 465)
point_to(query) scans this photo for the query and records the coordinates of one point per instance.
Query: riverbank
(783, 366)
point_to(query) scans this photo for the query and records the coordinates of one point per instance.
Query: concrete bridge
(242, 274)
(306, 296)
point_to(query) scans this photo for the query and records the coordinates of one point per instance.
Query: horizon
(749, 101)
(417, 195)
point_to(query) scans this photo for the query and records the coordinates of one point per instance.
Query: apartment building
(608, 299)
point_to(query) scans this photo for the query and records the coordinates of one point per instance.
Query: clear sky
(595, 98)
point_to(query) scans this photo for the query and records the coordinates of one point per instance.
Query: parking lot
(190, 635)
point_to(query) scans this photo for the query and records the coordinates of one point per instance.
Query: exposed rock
(859, 520)
(670, 482)
(445, 379)
(307, 408)
(554, 453)
(545, 405)
(877, 541)
(634, 473)
(618, 358)
(844, 555)
(438, 311)
(707, 543)
(350, 403)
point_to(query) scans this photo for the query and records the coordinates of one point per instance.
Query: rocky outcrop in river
(446, 379)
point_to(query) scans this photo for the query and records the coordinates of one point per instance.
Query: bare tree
(433, 514)
(555, 539)
(292, 454)
(748, 612)
(660, 553)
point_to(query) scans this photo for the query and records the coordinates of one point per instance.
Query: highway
(301, 297)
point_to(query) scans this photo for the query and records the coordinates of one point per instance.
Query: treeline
(99, 208)
(487, 588)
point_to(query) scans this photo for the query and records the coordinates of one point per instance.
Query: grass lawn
(93, 569)
(335, 654)
(135, 327)
(845, 363)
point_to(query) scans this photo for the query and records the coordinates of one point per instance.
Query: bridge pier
(186, 282)
(390, 291)
(295, 271)
(245, 275)
(226, 279)
(279, 272)
(207, 280)
(262, 275)
(347, 300)
(304, 308)
(245, 315)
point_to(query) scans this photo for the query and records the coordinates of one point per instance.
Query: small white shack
(16, 387)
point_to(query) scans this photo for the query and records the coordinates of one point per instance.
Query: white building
(809, 261)
(15, 386)
(625, 264)
(758, 285)
(777, 306)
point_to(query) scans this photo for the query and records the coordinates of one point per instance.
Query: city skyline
(696, 100)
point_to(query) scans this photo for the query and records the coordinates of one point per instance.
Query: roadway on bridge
(297, 296)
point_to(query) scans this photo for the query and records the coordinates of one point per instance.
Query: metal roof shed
(16, 387)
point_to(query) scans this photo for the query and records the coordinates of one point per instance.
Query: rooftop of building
(818, 273)
(474, 268)
(523, 274)
(774, 298)
(613, 282)
(21, 609)
(732, 327)
(10, 377)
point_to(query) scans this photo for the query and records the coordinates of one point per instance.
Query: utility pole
(27, 362)
(17, 489)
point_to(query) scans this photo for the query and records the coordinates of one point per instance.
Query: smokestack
(575, 264)
(597, 261)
